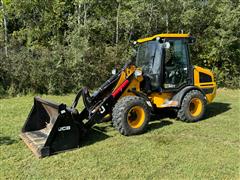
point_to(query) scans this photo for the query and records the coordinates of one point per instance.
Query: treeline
(58, 46)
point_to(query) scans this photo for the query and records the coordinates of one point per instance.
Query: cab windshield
(149, 57)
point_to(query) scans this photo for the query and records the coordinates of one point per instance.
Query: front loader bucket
(50, 128)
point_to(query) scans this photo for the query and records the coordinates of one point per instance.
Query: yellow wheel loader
(159, 76)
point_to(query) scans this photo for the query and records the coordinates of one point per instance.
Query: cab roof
(163, 36)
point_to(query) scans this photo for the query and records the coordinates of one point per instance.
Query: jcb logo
(64, 128)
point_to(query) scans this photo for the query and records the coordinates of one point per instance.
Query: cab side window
(176, 54)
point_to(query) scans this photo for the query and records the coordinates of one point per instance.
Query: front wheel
(193, 107)
(131, 115)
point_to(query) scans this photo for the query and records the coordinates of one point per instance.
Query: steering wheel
(174, 74)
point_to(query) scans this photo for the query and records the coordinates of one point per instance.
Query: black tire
(121, 119)
(185, 113)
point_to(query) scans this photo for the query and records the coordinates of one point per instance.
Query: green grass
(171, 149)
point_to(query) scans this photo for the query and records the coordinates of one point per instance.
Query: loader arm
(51, 127)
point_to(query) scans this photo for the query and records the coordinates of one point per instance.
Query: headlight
(137, 73)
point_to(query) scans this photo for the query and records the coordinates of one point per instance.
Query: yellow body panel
(163, 36)
(159, 99)
(212, 84)
(124, 75)
(134, 84)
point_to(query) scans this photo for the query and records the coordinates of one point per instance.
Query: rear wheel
(131, 115)
(193, 107)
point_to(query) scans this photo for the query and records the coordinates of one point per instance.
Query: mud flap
(50, 128)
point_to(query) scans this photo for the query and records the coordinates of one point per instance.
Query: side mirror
(114, 71)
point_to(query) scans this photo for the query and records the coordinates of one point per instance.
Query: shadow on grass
(94, 135)
(212, 109)
(215, 109)
(164, 113)
(158, 124)
(105, 128)
(5, 140)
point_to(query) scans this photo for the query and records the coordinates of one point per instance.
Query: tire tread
(182, 114)
(119, 111)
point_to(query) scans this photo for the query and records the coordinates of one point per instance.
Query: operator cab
(165, 62)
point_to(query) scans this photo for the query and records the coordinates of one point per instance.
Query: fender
(180, 95)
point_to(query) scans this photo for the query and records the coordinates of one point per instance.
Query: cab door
(176, 64)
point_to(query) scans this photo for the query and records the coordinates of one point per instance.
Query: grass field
(171, 149)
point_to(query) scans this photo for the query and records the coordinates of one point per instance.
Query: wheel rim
(136, 116)
(195, 107)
